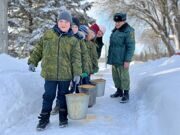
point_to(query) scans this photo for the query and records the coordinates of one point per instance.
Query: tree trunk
(171, 50)
(177, 32)
(30, 28)
(3, 27)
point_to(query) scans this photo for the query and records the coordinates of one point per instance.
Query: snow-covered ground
(153, 109)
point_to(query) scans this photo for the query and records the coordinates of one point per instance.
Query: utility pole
(3, 27)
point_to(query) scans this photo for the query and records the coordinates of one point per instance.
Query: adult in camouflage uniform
(121, 50)
(60, 53)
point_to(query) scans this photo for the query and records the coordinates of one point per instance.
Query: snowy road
(107, 117)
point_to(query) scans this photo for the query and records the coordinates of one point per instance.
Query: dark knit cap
(65, 15)
(75, 21)
(118, 17)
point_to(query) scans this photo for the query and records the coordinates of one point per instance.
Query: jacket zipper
(58, 56)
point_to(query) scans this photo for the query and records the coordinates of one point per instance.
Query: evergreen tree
(28, 19)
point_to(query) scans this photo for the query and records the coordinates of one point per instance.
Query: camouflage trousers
(121, 77)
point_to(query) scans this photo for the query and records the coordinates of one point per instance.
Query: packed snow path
(107, 117)
(153, 108)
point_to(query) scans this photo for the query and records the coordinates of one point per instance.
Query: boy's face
(91, 35)
(100, 33)
(64, 25)
(75, 29)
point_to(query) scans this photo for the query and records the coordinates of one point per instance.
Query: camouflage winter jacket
(91, 46)
(60, 54)
(86, 61)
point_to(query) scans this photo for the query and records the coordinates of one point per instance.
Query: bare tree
(176, 21)
(3, 27)
(153, 42)
(158, 14)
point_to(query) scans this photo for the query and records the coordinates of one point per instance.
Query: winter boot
(43, 121)
(55, 110)
(118, 93)
(63, 121)
(125, 97)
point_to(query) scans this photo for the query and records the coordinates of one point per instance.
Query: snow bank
(17, 88)
(153, 108)
(158, 87)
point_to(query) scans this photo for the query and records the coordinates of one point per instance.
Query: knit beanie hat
(65, 15)
(94, 28)
(102, 28)
(75, 21)
(84, 29)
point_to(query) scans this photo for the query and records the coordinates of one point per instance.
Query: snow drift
(153, 109)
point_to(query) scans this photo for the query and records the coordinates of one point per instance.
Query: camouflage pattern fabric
(91, 46)
(60, 55)
(86, 60)
(121, 77)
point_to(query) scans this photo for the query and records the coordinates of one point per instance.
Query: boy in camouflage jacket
(60, 54)
(91, 49)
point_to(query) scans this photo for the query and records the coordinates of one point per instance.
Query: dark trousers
(50, 94)
(85, 80)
